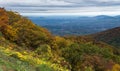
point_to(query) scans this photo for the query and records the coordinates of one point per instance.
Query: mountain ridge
(111, 36)
(58, 25)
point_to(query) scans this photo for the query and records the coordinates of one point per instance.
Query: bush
(82, 55)
(43, 67)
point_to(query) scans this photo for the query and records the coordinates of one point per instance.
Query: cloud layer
(62, 6)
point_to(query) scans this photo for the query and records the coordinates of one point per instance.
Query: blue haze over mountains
(76, 25)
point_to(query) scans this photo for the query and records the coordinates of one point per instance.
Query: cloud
(58, 2)
(95, 2)
(61, 6)
(33, 2)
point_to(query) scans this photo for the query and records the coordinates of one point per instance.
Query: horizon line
(73, 14)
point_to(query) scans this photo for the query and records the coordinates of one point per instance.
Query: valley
(76, 25)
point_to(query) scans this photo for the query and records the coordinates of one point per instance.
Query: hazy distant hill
(77, 25)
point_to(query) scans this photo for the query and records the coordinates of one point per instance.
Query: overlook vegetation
(25, 46)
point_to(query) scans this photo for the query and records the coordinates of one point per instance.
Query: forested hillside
(25, 46)
(111, 36)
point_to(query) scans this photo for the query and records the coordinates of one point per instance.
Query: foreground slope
(25, 46)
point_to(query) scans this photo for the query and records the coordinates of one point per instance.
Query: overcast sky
(63, 7)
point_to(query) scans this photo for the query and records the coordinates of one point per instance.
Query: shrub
(43, 67)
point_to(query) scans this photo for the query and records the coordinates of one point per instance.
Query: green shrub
(43, 67)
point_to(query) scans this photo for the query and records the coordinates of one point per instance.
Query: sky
(63, 7)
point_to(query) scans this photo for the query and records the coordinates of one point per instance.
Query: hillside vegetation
(25, 46)
(111, 36)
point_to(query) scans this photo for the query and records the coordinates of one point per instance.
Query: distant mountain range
(77, 25)
(102, 27)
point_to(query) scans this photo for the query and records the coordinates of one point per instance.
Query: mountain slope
(25, 46)
(22, 31)
(111, 36)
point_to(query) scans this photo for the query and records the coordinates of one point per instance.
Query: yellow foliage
(62, 42)
(30, 58)
(116, 67)
(9, 32)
